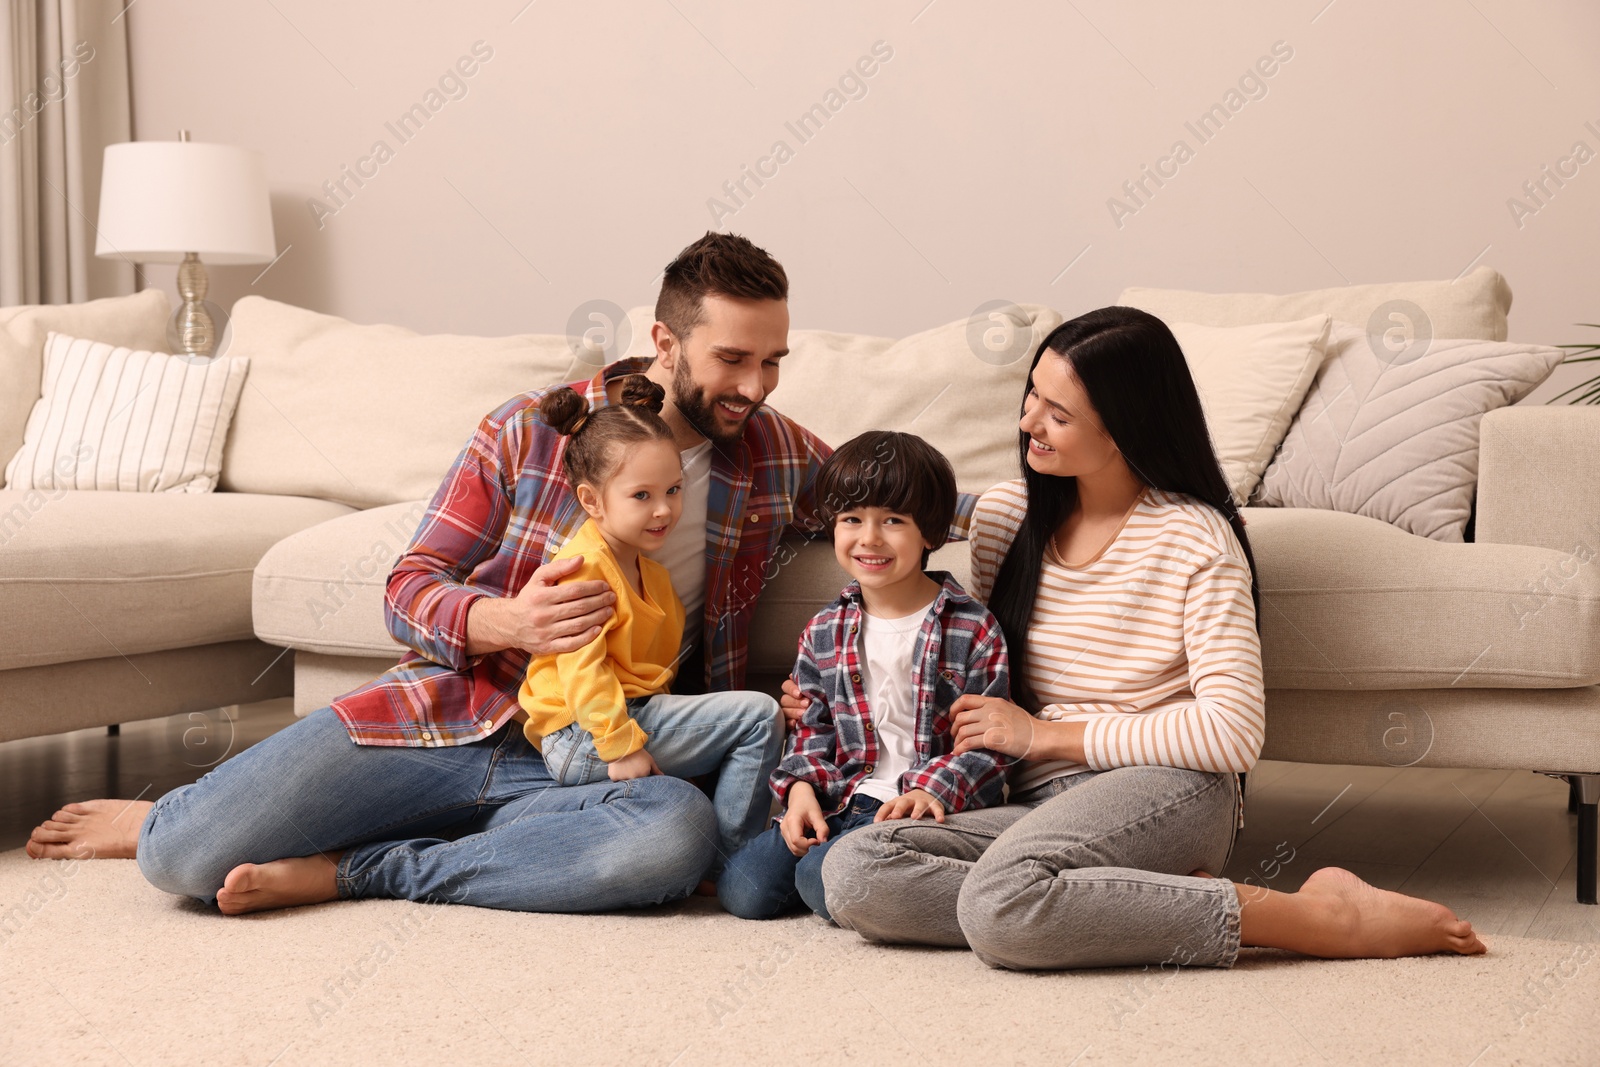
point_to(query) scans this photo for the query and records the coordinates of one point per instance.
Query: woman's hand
(995, 724)
(793, 704)
(803, 814)
(912, 804)
(638, 764)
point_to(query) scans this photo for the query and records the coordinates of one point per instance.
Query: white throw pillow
(1251, 381)
(1394, 436)
(138, 321)
(119, 419)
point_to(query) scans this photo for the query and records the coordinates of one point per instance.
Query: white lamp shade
(162, 199)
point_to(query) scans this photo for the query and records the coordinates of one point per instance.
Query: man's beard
(697, 411)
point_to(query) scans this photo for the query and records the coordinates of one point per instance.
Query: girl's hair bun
(564, 409)
(640, 392)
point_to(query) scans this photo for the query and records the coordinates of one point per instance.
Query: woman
(1120, 571)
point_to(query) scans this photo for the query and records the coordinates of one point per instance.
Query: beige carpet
(97, 967)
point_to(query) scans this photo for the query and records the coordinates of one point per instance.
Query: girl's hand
(913, 804)
(793, 704)
(638, 764)
(992, 723)
(803, 814)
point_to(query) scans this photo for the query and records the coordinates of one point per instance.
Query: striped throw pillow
(116, 419)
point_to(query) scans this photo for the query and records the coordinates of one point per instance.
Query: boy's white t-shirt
(684, 553)
(887, 650)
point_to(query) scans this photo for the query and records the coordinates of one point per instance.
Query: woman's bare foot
(1338, 916)
(279, 884)
(92, 829)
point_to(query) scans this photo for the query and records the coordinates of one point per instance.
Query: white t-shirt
(887, 648)
(684, 553)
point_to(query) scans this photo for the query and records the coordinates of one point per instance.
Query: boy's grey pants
(1089, 870)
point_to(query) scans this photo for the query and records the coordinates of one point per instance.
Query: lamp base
(196, 320)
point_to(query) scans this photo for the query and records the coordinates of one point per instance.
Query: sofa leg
(114, 729)
(1572, 795)
(1587, 790)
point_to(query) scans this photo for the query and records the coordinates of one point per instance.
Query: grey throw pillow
(1389, 428)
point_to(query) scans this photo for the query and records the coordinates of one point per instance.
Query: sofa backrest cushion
(958, 386)
(138, 321)
(1473, 306)
(367, 415)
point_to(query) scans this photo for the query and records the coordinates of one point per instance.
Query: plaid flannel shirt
(959, 649)
(504, 510)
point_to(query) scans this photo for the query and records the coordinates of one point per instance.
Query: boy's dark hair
(895, 471)
(597, 437)
(721, 263)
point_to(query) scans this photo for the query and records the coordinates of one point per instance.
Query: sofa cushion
(85, 575)
(321, 589)
(1349, 602)
(1473, 306)
(137, 321)
(958, 386)
(367, 415)
(1396, 437)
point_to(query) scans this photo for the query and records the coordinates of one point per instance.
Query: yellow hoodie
(635, 655)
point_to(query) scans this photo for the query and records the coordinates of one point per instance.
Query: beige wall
(978, 164)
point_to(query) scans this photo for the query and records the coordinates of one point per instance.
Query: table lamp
(175, 201)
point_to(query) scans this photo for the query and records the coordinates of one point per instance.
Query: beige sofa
(1381, 647)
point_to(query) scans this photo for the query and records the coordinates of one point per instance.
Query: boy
(880, 666)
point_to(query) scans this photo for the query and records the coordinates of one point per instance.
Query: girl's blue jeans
(738, 735)
(764, 879)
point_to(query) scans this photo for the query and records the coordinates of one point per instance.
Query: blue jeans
(764, 879)
(481, 824)
(738, 732)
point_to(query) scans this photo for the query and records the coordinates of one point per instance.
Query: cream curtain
(63, 97)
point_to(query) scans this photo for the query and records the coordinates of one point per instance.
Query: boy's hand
(793, 704)
(803, 814)
(912, 804)
(638, 764)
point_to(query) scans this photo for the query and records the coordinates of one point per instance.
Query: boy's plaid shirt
(503, 511)
(960, 649)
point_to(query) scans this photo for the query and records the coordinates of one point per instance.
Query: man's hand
(992, 723)
(912, 804)
(638, 764)
(803, 814)
(793, 704)
(544, 618)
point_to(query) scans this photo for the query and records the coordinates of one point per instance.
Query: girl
(604, 710)
(1119, 569)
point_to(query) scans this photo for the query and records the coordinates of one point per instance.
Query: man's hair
(721, 263)
(894, 471)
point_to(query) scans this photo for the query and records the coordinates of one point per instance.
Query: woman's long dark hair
(1139, 384)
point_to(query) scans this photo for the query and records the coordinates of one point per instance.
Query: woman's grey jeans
(1089, 870)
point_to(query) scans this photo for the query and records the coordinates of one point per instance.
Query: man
(421, 785)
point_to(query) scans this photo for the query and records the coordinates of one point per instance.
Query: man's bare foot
(706, 888)
(279, 884)
(1361, 921)
(1200, 874)
(92, 829)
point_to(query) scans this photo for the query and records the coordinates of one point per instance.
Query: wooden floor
(1498, 847)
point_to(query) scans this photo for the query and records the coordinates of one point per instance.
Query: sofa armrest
(1539, 477)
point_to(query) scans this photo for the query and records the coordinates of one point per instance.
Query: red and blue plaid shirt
(959, 649)
(504, 510)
